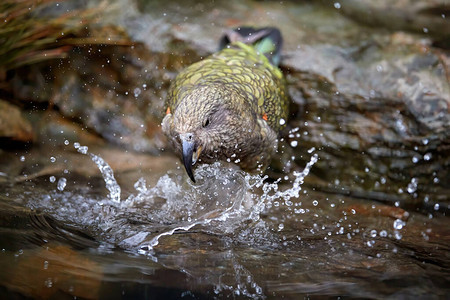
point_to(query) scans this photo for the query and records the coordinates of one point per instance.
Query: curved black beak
(188, 151)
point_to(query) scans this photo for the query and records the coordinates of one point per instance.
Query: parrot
(232, 105)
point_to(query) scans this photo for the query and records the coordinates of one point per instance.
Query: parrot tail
(266, 40)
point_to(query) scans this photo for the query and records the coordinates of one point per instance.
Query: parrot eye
(205, 123)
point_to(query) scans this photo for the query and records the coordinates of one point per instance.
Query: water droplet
(427, 156)
(425, 30)
(45, 265)
(398, 224)
(400, 125)
(337, 5)
(383, 233)
(412, 186)
(137, 91)
(315, 202)
(366, 170)
(52, 159)
(282, 121)
(280, 227)
(66, 142)
(52, 179)
(436, 206)
(379, 68)
(294, 144)
(373, 233)
(48, 282)
(425, 236)
(83, 149)
(415, 159)
(61, 184)
(140, 185)
(311, 150)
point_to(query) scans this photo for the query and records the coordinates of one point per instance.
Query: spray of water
(105, 170)
(219, 203)
(233, 208)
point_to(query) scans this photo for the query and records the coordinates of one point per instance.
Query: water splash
(221, 194)
(221, 202)
(271, 192)
(108, 175)
(237, 202)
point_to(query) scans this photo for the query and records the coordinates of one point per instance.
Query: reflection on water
(231, 234)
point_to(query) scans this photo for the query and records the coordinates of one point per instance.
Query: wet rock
(54, 130)
(376, 113)
(13, 126)
(429, 17)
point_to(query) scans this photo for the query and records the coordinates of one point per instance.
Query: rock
(13, 127)
(55, 130)
(377, 113)
(119, 99)
(430, 17)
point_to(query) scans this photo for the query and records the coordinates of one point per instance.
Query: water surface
(231, 234)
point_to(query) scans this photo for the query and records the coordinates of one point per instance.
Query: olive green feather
(243, 68)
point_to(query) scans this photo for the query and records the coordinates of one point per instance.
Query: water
(222, 199)
(230, 235)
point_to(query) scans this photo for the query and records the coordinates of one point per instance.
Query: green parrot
(231, 105)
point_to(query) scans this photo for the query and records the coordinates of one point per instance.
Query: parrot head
(208, 125)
